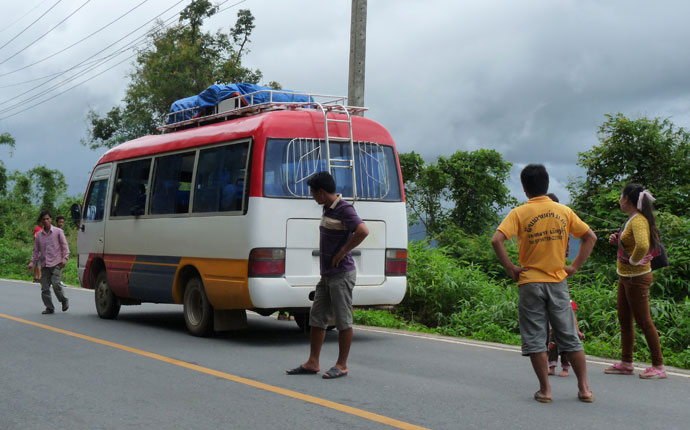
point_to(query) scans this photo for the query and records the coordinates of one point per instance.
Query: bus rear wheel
(198, 312)
(107, 303)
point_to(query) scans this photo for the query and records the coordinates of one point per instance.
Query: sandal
(586, 398)
(653, 373)
(333, 373)
(301, 370)
(619, 369)
(542, 398)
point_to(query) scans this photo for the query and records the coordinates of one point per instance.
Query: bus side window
(220, 178)
(129, 196)
(172, 182)
(95, 204)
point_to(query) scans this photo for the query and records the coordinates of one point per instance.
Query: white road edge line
(494, 347)
(422, 336)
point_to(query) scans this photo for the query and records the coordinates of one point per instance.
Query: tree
(7, 139)
(651, 152)
(477, 188)
(466, 190)
(177, 62)
(425, 190)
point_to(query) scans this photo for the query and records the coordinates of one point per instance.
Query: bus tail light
(396, 262)
(267, 262)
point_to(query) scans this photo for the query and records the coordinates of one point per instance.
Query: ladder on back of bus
(304, 157)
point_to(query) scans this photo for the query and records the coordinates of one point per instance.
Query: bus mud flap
(227, 320)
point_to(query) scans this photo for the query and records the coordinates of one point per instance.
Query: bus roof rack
(255, 103)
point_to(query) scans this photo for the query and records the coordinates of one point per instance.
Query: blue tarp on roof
(200, 104)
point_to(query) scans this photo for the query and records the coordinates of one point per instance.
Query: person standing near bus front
(341, 230)
(51, 252)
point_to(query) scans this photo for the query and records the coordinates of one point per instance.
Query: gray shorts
(333, 298)
(542, 303)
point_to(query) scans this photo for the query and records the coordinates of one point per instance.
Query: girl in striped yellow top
(635, 241)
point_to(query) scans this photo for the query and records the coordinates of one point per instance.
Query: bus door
(91, 237)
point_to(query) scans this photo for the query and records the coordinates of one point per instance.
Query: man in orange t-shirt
(542, 227)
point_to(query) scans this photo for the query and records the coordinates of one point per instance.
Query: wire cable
(29, 26)
(44, 34)
(79, 41)
(71, 88)
(114, 43)
(104, 59)
(36, 6)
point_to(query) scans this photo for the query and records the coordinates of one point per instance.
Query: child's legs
(553, 352)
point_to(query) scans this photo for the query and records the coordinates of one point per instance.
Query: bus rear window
(288, 166)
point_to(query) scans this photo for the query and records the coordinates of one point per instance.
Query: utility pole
(358, 48)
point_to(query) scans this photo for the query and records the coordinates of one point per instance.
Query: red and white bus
(215, 214)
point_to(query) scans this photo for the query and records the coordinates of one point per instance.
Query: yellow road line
(260, 385)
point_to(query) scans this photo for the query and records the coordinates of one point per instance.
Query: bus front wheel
(198, 312)
(107, 304)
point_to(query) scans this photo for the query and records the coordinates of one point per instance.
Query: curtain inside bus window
(95, 203)
(376, 171)
(172, 182)
(220, 177)
(131, 183)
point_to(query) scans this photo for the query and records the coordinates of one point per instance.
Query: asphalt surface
(143, 370)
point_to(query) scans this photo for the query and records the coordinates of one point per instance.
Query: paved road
(75, 371)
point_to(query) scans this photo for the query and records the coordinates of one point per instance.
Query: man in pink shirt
(51, 253)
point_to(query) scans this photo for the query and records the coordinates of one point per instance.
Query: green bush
(459, 299)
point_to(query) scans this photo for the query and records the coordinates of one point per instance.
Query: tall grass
(455, 298)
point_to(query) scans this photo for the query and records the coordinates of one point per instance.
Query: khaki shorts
(333, 298)
(542, 303)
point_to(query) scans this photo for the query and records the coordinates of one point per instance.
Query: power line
(126, 47)
(100, 61)
(95, 64)
(114, 43)
(28, 26)
(44, 34)
(17, 84)
(71, 88)
(23, 16)
(77, 42)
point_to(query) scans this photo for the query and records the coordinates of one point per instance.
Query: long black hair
(632, 193)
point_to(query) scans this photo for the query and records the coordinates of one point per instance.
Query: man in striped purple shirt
(51, 253)
(341, 230)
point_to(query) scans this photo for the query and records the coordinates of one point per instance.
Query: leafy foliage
(7, 139)
(652, 152)
(466, 189)
(178, 62)
(457, 299)
(22, 196)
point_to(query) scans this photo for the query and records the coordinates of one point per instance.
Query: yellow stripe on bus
(238, 379)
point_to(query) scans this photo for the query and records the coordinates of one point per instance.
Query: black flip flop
(300, 371)
(333, 373)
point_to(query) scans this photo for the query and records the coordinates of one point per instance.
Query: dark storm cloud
(532, 80)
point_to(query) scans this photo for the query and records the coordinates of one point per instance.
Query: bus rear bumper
(276, 293)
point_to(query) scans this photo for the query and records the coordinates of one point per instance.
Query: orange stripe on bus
(225, 282)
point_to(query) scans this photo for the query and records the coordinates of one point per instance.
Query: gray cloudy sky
(530, 79)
